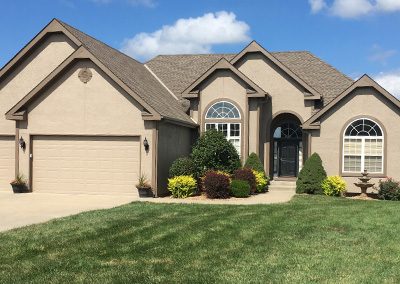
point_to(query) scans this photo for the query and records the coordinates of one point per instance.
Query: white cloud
(355, 8)
(351, 8)
(390, 81)
(317, 5)
(191, 35)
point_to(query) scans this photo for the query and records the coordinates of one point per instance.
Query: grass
(310, 239)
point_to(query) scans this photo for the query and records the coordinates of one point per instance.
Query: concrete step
(282, 185)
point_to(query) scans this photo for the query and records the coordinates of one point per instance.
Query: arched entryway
(287, 145)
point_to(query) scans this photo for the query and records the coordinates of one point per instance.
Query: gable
(30, 70)
(68, 105)
(364, 83)
(253, 90)
(286, 94)
(254, 47)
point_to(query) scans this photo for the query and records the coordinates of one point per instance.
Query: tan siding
(174, 142)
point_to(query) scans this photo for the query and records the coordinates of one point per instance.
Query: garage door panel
(7, 161)
(86, 164)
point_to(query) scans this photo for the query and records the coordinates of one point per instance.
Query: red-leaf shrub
(247, 175)
(216, 185)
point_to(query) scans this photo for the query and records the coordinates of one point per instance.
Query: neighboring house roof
(364, 82)
(253, 91)
(130, 72)
(177, 72)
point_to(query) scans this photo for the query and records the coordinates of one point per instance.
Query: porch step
(282, 185)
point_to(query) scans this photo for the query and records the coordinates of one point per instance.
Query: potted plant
(144, 187)
(19, 184)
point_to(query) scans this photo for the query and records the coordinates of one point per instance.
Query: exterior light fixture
(22, 143)
(146, 144)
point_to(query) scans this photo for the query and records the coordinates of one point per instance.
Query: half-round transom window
(363, 127)
(363, 143)
(222, 110)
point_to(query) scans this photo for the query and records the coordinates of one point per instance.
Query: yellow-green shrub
(182, 186)
(333, 186)
(261, 181)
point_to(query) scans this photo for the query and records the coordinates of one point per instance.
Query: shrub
(182, 186)
(182, 167)
(254, 163)
(213, 152)
(247, 175)
(240, 188)
(333, 186)
(389, 189)
(311, 176)
(216, 185)
(261, 181)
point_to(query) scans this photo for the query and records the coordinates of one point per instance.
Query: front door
(288, 160)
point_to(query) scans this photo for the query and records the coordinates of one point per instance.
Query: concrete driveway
(18, 210)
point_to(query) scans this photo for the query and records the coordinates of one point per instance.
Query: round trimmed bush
(240, 188)
(334, 186)
(213, 152)
(253, 162)
(216, 185)
(182, 167)
(247, 175)
(311, 176)
(182, 186)
(389, 189)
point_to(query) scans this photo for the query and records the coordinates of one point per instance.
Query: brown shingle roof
(179, 71)
(134, 75)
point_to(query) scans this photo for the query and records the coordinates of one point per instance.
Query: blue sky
(355, 36)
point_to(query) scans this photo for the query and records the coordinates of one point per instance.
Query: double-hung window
(225, 117)
(363, 144)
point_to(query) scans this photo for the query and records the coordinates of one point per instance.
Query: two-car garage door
(80, 164)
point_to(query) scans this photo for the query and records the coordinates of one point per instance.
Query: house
(81, 116)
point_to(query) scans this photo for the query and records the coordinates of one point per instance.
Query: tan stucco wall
(174, 141)
(286, 94)
(224, 85)
(327, 141)
(100, 107)
(43, 60)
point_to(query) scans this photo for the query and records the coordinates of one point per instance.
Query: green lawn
(311, 239)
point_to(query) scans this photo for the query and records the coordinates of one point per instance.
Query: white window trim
(363, 148)
(222, 118)
(228, 137)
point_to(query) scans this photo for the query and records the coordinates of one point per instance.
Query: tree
(253, 162)
(311, 176)
(213, 152)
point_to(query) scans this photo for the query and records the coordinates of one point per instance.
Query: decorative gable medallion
(85, 75)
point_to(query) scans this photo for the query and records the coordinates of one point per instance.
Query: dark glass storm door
(288, 158)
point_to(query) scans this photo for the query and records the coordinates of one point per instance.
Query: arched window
(222, 110)
(225, 117)
(288, 130)
(363, 143)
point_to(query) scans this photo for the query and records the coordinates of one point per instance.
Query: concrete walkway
(271, 197)
(18, 210)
